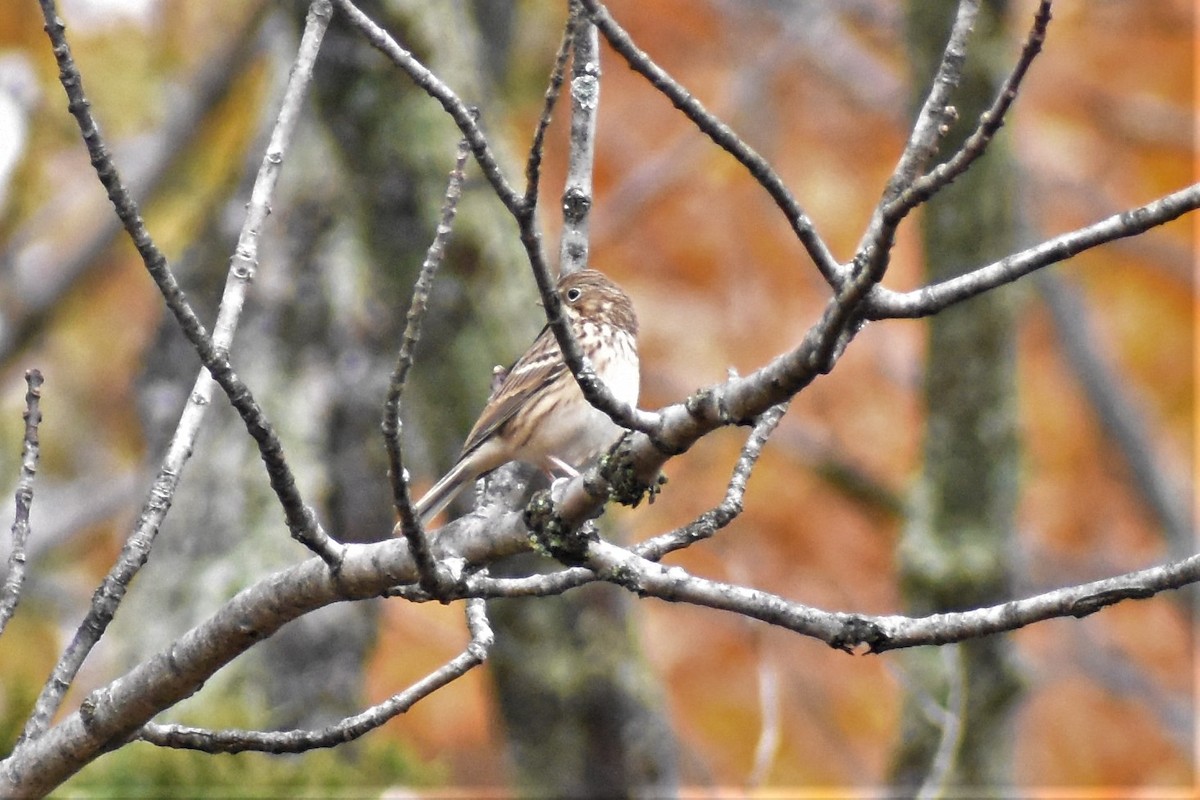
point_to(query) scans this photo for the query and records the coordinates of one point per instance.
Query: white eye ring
(574, 294)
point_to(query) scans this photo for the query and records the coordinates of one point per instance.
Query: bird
(538, 414)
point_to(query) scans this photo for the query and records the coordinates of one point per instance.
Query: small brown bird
(538, 414)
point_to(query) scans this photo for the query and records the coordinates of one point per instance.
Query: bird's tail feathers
(443, 492)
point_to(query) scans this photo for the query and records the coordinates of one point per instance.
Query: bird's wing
(540, 366)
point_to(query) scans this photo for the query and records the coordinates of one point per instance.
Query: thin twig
(933, 121)
(949, 720)
(533, 165)
(464, 116)
(581, 156)
(137, 547)
(990, 122)
(14, 582)
(409, 525)
(937, 113)
(881, 633)
(713, 520)
(345, 730)
(723, 136)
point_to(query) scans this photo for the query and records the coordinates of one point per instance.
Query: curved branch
(723, 136)
(409, 525)
(463, 115)
(346, 730)
(112, 714)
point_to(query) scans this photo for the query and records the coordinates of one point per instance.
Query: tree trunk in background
(583, 710)
(955, 551)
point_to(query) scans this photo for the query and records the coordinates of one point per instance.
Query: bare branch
(926, 186)
(533, 165)
(881, 633)
(301, 521)
(409, 525)
(10, 594)
(113, 713)
(884, 303)
(723, 136)
(713, 520)
(212, 350)
(462, 115)
(936, 114)
(345, 730)
(585, 105)
(932, 123)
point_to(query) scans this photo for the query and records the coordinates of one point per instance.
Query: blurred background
(1085, 472)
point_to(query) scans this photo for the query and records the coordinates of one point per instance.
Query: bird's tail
(444, 491)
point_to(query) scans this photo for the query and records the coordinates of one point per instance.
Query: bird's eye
(574, 294)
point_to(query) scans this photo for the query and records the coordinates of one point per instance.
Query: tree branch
(112, 714)
(878, 634)
(884, 303)
(301, 521)
(707, 524)
(10, 594)
(926, 186)
(212, 350)
(410, 525)
(932, 123)
(345, 730)
(723, 136)
(581, 155)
